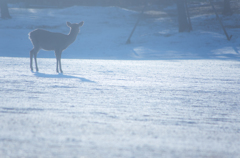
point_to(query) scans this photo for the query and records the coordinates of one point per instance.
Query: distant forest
(65, 3)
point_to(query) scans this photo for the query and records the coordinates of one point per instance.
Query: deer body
(46, 40)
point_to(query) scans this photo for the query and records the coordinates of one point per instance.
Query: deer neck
(72, 36)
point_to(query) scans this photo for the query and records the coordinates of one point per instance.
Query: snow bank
(106, 30)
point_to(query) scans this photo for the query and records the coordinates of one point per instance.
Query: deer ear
(81, 24)
(69, 24)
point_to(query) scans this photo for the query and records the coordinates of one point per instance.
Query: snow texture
(184, 106)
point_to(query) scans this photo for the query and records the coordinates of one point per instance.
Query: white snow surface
(167, 94)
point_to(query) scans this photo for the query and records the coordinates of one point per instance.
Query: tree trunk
(4, 10)
(227, 8)
(182, 16)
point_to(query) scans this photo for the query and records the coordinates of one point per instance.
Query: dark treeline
(66, 3)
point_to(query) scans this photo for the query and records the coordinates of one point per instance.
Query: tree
(182, 16)
(227, 8)
(4, 10)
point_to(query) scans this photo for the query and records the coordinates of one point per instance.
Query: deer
(52, 41)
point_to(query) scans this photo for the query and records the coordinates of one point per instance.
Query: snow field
(119, 108)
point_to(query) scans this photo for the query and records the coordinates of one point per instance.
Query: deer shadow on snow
(60, 75)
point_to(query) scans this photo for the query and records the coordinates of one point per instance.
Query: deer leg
(33, 52)
(57, 65)
(31, 56)
(35, 59)
(57, 56)
(60, 63)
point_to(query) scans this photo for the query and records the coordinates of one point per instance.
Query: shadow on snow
(43, 75)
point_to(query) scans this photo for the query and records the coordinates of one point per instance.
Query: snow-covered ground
(186, 105)
(120, 108)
